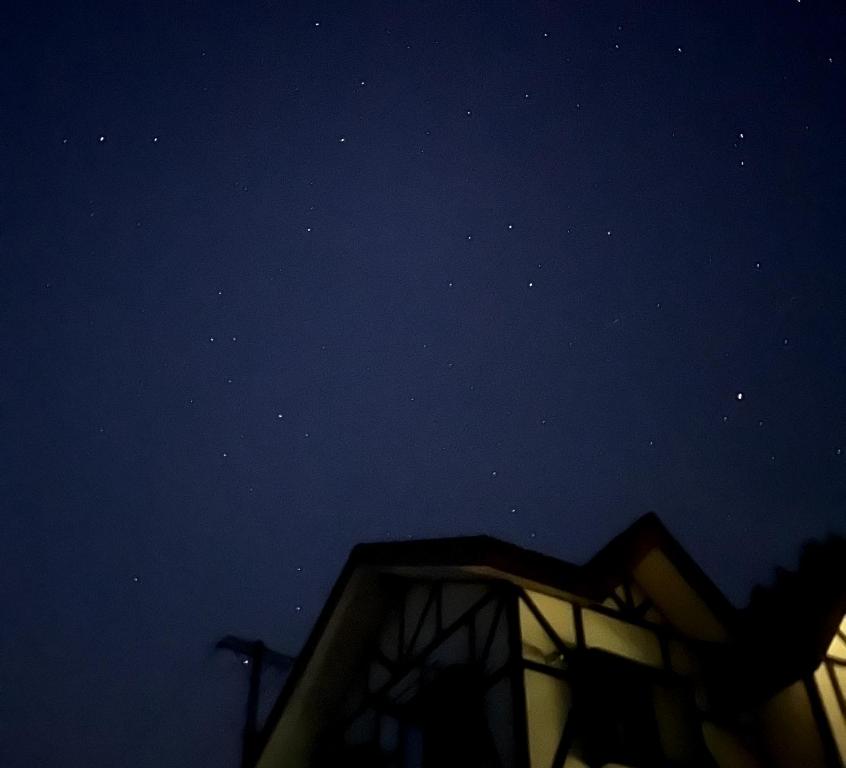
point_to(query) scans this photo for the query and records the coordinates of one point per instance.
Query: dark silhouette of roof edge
(602, 572)
(648, 532)
(795, 615)
(479, 550)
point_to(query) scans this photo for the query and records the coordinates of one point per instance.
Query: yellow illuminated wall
(548, 627)
(547, 708)
(621, 638)
(830, 678)
(538, 644)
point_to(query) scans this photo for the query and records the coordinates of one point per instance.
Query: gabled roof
(646, 545)
(622, 555)
(614, 562)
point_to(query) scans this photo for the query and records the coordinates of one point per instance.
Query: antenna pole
(258, 654)
(250, 724)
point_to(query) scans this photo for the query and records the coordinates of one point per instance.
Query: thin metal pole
(250, 725)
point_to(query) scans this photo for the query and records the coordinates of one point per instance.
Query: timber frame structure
(474, 652)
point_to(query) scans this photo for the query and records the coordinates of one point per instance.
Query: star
(739, 395)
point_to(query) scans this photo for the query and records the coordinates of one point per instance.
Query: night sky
(278, 278)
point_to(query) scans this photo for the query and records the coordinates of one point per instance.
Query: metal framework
(422, 700)
(830, 663)
(260, 655)
(611, 718)
(421, 696)
(828, 668)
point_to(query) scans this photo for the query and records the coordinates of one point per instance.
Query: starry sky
(278, 278)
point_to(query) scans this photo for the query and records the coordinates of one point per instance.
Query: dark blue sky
(278, 278)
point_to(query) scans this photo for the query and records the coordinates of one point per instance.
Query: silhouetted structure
(476, 653)
(256, 652)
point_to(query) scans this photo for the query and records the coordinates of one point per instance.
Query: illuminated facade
(473, 652)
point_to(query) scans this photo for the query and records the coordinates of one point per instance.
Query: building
(473, 652)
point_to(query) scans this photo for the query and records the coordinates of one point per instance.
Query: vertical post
(518, 690)
(257, 654)
(251, 722)
(580, 627)
(821, 719)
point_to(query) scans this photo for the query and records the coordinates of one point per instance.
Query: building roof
(647, 538)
